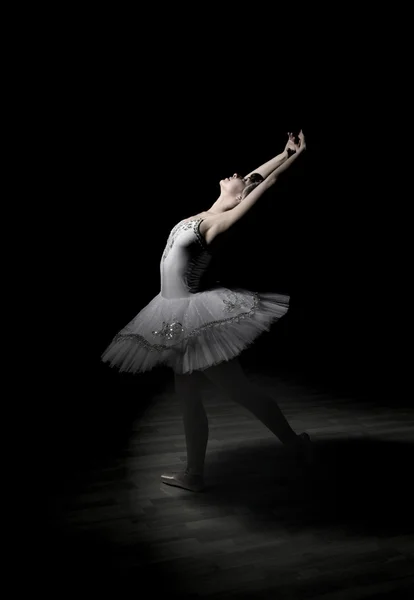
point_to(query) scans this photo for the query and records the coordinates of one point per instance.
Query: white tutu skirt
(196, 332)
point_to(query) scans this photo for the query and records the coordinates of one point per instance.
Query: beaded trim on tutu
(195, 332)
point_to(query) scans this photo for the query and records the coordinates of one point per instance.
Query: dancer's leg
(231, 379)
(188, 388)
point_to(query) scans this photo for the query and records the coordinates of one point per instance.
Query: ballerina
(199, 333)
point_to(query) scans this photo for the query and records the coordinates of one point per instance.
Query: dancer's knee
(188, 389)
(188, 382)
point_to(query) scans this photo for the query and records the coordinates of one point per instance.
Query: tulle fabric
(195, 332)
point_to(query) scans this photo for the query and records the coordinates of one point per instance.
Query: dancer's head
(233, 186)
(235, 189)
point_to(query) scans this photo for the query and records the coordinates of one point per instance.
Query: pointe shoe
(194, 483)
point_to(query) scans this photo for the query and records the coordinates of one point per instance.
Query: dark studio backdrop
(147, 149)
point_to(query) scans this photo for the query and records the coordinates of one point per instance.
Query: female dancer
(200, 332)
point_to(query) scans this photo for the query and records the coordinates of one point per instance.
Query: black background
(146, 124)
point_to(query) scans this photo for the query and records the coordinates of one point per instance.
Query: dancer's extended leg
(231, 379)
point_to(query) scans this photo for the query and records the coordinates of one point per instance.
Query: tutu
(190, 330)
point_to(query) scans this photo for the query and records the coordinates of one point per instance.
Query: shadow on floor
(355, 488)
(362, 487)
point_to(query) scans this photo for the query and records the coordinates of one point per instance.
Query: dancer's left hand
(302, 141)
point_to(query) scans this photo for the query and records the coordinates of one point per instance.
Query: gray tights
(230, 378)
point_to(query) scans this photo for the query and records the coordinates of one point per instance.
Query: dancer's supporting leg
(188, 388)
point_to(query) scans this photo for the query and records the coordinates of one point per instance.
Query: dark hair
(252, 181)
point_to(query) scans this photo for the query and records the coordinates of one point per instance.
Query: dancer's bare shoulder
(202, 215)
(210, 227)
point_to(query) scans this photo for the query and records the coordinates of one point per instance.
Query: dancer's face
(233, 185)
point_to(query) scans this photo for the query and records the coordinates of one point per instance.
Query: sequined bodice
(184, 261)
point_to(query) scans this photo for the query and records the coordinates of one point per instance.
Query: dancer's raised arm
(268, 167)
(228, 218)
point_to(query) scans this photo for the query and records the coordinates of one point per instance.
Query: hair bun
(252, 181)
